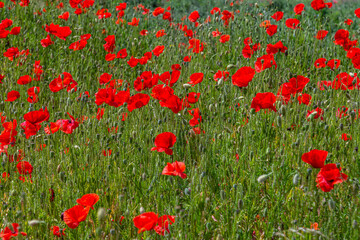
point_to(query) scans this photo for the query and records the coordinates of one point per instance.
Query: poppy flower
(146, 221)
(320, 63)
(333, 63)
(243, 76)
(170, 78)
(347, 22)
(12, 96)
(304, 98)
(162, 92)
(342, 112)
(196, 117)
(175, 169)
(163, 224)
(264, 62)
(75, 215)
(122, 53)
(146, 81)
(158, 11)
(345, 81)
(46, 41)
(160, 33)
(317, 113)
(216, 33)
(88, 200)
(278, 16)
(264, 101)
(81, 44)
(271, 30)
(104, 78)
(292, 23)
(247, 51)
(193, 97)
(317, 5)
(7, 233)
(299, 8)
(65, 125)
(316, 158)
(174, 103)
(346, 137)
(275, 48)
(109, 46)
(134, 22)
(224, 38)
(37, 117)
(64, 16)
(111, 97)
(196, 45)
(15, 31)
(144, 32)
(321, 34)
(158, 50)
(221, 74)
(57, 231)
(194, 16)
(133, 62)
(196, 78)
(60, 32)
(265, 24)
(163, 142)
(65, 80)
(23, 80)
(357, 12)
(103, 13)
(138, 101)
(187, 59)
(328, 176)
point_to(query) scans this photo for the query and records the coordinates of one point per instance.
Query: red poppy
(342, 112)
(163, 224)
(12, 96)
(104, 78)
(146, 81)
(318, 4)
(320, 63)
(175, 169)
(8, 233)
(46, 41)
(63, 81)
(109, 46)
(304, 98)
(75, 215)
(321, 34)
(81, 44)
(134, 22)
(299, 8)
(264, 101)
(60, 32)
(158, 50)
(133, 62)
(357, 12)
(344, 81)
(37, 117)
(347, 22)
(88, 200)
(111, 97)
(187, 59)
(64, 16)
(160, 33)
(196, 45)
(15, 31)
(193, 97)
(103, 13)
(196, 78)
(170, 78)
(271, 30)
(146, 221)
(292, 23)
(158, 11)
(57, 231)
(144, 32)
(224, 38)
(197, 119)
(137, 101)
(346, 137)
(317, 113)
(328, 176)
(275, 48)
(247, 51)
(162, 92)
(316, 158)
(264, 62)
(100, 113)
(333, 63)
(194, 16)
(174, 103)
(221, 74)
(163, 142)
(278, 16)
(122, 53)
(243, 76)
(24, 80)
(65, 125)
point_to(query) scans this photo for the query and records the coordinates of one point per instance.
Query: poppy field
(166, 120)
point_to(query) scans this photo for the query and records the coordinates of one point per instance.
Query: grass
(221, 198)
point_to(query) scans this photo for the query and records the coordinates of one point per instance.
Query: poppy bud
(208, 225)
(240, 203)
(187, 191)
(354, 224)
(58, 168)
(220, 81)
(186, 85)
(341, 126)
(278, 120)
(296, 179)
(142, 210)
(263, 178)
(101, 214)
(35, 222)
(62, 176)
(252, 111)
(331, 204)
(222, 194)
(230, 66)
